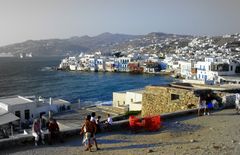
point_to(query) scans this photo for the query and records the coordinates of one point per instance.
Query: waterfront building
(92, 64)
(73, 67)
(122, 64)
(134, 67)
(152, 67)
(63, 64)
(100, 64)
(109, 66)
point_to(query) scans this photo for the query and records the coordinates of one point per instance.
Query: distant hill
(73, 45)
(109, 43)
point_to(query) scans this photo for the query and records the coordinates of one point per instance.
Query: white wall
(119, 98)
(31, 106)
(134, 100)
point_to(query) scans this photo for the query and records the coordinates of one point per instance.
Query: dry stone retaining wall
(159, 100)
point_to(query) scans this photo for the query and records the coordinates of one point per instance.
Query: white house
(123, 64)
(18, 105)
(29, 108)
(213, 68)
(131, 99)
(92, 64)
(186, 68)
(100, 64)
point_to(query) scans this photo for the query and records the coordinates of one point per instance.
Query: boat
(21, 55)
(29, 55)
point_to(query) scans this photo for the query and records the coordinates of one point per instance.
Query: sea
(37, 76)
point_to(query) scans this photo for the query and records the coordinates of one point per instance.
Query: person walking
(89, 129)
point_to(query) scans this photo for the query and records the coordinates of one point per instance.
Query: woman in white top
(109, 120)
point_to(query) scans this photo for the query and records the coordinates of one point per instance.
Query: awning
(7, 118)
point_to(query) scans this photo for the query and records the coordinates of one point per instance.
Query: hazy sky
(22, 20)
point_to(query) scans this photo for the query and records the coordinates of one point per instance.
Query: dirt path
(214, 134)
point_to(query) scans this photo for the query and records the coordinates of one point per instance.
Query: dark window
(231, 68)
(18, 113)
(131, 100)
(174, 97)
(27, 114)
(237, 69)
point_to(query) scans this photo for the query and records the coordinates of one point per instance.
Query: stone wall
(159, 100)
(227, 99)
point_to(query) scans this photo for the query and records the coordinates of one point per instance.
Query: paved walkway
(214, 134)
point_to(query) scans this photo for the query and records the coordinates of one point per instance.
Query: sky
(22, 20)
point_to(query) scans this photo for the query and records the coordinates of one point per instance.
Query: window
(18, 113)
(123, 102)
(131, 100)
(237, 70)
(174, 97)
(231, 68)
(27, 114)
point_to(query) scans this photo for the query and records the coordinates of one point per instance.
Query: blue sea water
(33, 76)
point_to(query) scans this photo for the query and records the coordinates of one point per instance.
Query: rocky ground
(214, 134)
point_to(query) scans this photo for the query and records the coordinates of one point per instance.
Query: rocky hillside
(73, 45)
(109, 43)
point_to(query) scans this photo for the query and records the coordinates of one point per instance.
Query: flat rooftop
(2, 111)
(140, 91)
(60, 102)
(14, 100)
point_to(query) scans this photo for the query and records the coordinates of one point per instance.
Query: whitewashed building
(27, 108)
(186, 68)
(213, 68)
(131, 99)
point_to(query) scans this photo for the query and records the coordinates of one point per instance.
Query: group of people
(53, 128)
(91, 127)
(205, 105)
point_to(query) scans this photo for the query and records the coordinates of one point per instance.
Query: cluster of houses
(134, 62)
(212, 70)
